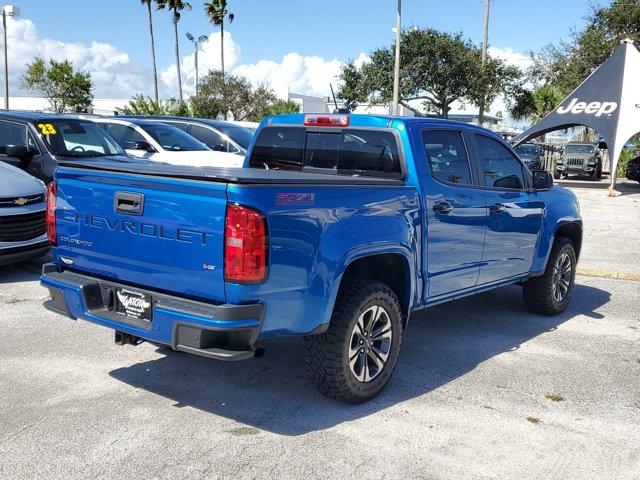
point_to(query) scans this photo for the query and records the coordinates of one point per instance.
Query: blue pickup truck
(338, 229)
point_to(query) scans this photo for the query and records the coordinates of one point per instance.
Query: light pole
(11, 11)
(396, 70)
(485, 46)
(196, 42)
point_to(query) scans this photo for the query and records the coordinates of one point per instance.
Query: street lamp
(196, 42)
(11, 11)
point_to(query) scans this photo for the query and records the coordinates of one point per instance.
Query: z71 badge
(295, 198)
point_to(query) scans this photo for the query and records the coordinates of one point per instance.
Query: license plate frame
(134, 304)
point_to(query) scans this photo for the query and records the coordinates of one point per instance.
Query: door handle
(129, 203)
(497, 208)
(442, 207)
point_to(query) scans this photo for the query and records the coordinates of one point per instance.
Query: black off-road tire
(556, 174)
(538, 291)
(327, 354)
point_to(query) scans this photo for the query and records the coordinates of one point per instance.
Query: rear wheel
(355, 358)
(556, 173)
(550, 293)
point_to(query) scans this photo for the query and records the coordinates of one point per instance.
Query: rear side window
(501, 168)
(447, 156)
(350, 152)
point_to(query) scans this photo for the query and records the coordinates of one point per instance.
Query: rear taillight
(245, 245)
(313, 120)
(52, 189)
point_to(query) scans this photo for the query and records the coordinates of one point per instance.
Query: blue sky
(264, 31)
(271, 28)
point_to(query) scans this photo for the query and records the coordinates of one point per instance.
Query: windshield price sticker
(46, 129)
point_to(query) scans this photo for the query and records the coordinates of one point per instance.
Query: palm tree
(175, 6)
(217, 11)
(153, 49)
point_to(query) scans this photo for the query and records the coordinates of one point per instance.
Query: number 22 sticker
(46, 129)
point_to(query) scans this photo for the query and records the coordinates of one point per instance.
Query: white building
(101, 106)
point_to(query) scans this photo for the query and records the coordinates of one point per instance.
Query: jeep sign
(595, 108)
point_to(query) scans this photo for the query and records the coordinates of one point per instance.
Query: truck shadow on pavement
(24, 271)
(273, 394)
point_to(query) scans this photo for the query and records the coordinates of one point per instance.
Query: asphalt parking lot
(484, 389)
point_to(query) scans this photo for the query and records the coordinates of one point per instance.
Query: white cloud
(511, 57)
(115, 75)
(112, 71)
(208, 59)
(309, 75)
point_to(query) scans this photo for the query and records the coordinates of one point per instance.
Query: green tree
(568, 64)
(537, 104)
(491, 80)
(352, 87)
(141, 105)
(175, 7)
(279, 107)
(234, 95)
(66, 89)
(436, 67)
(217, 12)
(153, 48)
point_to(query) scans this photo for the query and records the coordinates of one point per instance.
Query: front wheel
(550, 293)
(355, 358)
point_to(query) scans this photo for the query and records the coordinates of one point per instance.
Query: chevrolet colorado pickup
(338, 229)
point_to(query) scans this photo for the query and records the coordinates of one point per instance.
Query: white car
(157, 141)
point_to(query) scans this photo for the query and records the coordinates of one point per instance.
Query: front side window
(447, 156)
(241, 135)
(173, 139)
(212, 139)
(11, 133)
(350, 152)
(125, 135)
(501, 168)
(77, 138)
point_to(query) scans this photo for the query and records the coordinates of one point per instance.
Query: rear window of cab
(348, 151)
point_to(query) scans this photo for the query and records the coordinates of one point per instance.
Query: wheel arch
(392, 267)
(572, 231)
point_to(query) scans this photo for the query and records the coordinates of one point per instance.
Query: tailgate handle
(127, 202)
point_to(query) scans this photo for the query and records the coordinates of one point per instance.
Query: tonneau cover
(219, 174)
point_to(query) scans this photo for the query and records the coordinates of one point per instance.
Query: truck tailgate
(162, 233)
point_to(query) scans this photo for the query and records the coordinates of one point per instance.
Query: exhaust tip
(259, 352)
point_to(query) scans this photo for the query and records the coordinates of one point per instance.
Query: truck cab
(337, 229)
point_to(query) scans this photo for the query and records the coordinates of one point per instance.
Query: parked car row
(32, 145)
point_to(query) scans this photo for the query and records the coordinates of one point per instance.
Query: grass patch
(534, 420)
(554, 397)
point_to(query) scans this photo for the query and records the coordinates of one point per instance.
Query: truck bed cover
(226, 175)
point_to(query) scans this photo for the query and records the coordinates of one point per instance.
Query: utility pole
(485, 45)
(396, 71)
(11, 11)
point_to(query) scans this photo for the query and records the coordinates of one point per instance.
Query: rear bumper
(223, 332)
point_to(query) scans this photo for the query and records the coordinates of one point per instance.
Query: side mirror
(142, 145)
(21, 152)
(542, 180)
(219, 148)
(17, 151)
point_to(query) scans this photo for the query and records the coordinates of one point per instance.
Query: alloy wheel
(370, 344)
(562, 277)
